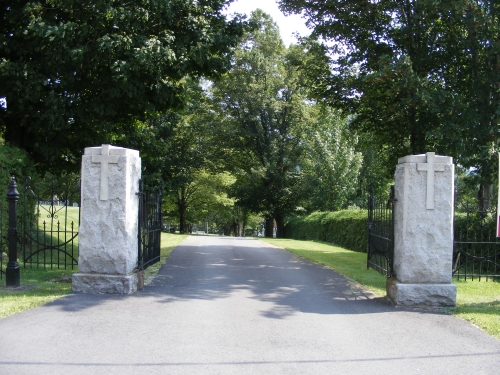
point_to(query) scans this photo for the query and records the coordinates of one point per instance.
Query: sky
(288, 25)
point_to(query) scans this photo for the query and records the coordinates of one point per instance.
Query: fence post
(12, 273)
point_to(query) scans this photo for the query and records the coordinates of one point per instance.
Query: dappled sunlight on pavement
(237, 306)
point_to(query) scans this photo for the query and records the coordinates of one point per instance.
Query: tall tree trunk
(244, 224)
(181, 205)
(269, 227)
(280, 227)
(485, 197)
(182, 220)
(417, 135)
(236, 228)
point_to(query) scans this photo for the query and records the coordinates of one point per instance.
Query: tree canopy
(232, 121)
(261, 108)
(420, 75)
(331, 168)
(77, 73)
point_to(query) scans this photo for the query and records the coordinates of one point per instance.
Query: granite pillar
(108, 247)
(423, 232)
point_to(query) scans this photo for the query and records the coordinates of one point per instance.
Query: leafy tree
(331, 163)
(381, 65)
(253, 224)
(153, 138)
(204, 199)
(375, 170)
(14, 162)
(79, 73)
(214, 204)
(261, 106)
(473, 76)
(177, 148)
(419, 74)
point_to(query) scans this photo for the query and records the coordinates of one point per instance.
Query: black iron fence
(3, 235)
(380, 252)
(150, 226)
(50, 221)
(46, 225)
(476, 249)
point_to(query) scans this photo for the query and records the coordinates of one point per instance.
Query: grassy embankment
(477, 302)
(41, 285)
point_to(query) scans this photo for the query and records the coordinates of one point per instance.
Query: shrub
(346, 228)
(478, 226)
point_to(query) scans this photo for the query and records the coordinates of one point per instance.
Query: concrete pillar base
(94, 283)
(435, 295)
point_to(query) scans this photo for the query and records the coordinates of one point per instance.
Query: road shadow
(217, 267)
(289, 283)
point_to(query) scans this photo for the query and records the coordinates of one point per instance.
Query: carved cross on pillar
(105, 158)
(430, 167)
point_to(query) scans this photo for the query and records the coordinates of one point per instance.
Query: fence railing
(150, 226)
(45, 231)
(50, 225)
(476, 249)
(3, 233)
(380, 253)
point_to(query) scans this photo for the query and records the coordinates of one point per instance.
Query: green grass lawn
(60, 211)
(50, 232)
(477, 302)
(39, 286)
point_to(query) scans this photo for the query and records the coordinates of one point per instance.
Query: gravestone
(423, 232)
(108, 241)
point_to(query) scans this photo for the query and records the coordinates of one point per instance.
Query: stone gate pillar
(108, 248)
(423, 232)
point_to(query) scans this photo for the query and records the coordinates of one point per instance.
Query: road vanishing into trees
(224, 305)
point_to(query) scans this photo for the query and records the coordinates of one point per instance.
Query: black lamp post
(13, 276)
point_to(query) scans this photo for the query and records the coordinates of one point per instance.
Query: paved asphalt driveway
(237, 306)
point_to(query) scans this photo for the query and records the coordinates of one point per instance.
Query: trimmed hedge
(346, 228)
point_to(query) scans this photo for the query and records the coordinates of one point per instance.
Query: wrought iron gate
(476, 249)
(3, 233)
(49, 229)
(150, 224)
(380, 253)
